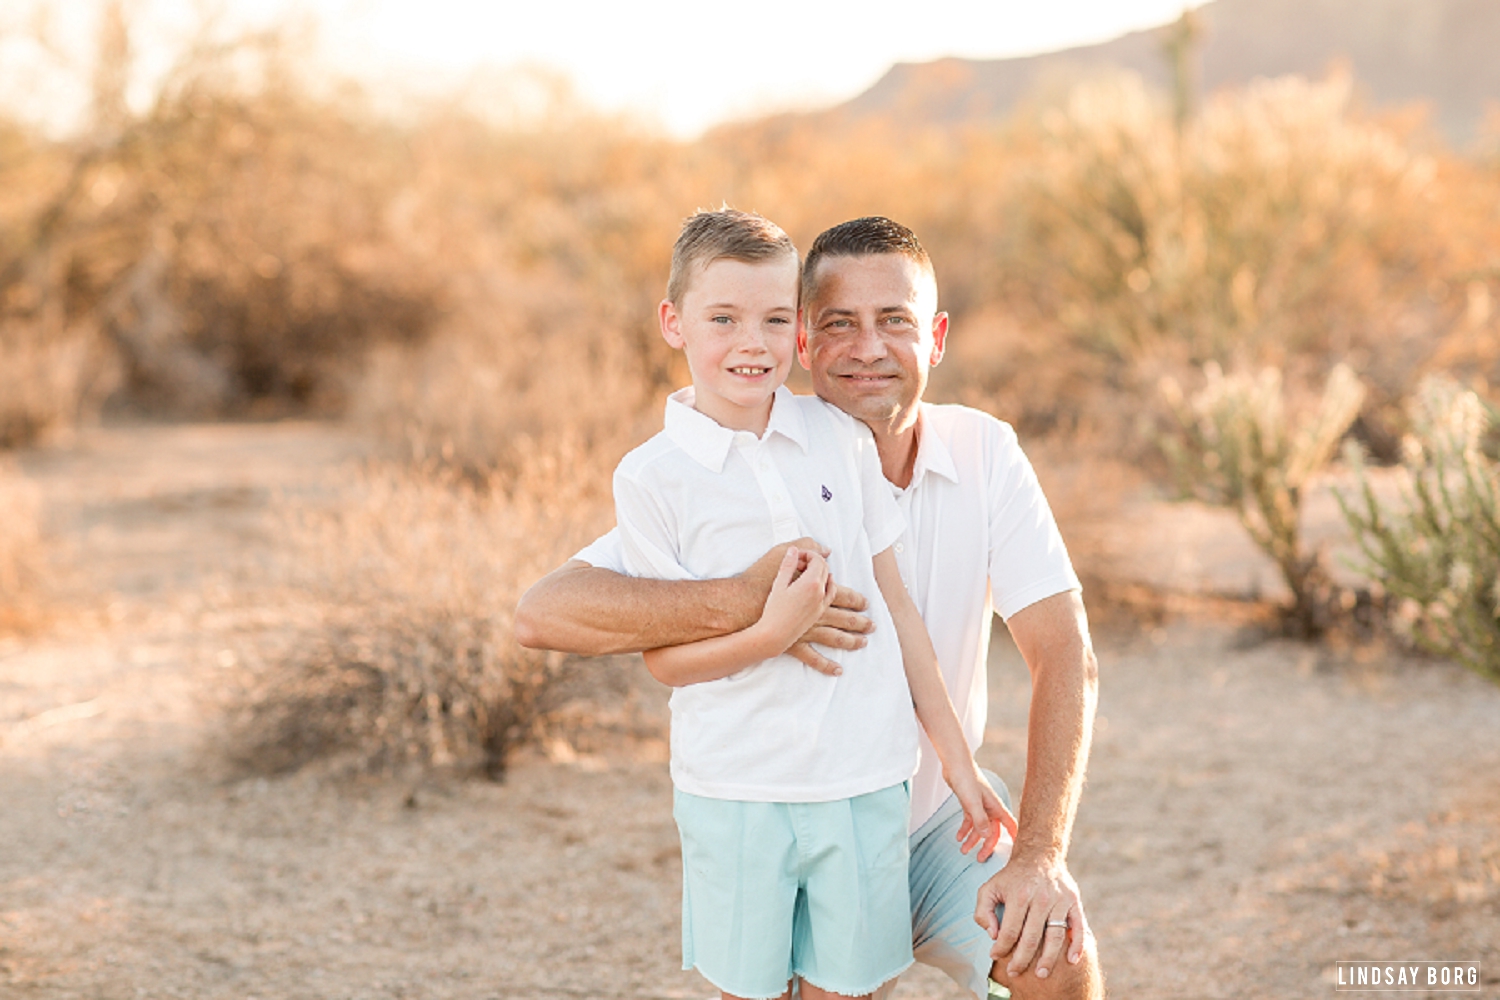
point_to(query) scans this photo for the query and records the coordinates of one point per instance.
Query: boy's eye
(721, 319)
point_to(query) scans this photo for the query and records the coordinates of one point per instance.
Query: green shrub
(1238, 448)
(1437, 552)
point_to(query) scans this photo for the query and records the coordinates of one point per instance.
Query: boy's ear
(671, 324)
(803, 358)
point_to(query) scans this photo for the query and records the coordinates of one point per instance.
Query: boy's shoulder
(820, 410)
(646, 454)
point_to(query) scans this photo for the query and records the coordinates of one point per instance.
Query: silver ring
(1058, 923)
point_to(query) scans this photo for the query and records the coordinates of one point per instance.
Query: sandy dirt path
(1256, 811)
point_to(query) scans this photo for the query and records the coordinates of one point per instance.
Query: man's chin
(870, 409)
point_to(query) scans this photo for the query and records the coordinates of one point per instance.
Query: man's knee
(1083, 981)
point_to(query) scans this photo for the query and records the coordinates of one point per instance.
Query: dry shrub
(411, 660)
(21, 563)
(1281, 227)
(230, 244)
(49, 378)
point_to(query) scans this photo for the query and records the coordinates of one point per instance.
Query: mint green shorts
(814, 890)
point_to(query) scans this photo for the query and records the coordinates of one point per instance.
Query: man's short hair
(726, 234)
(874, 234)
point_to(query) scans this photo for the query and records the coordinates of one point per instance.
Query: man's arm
(1035, 885)
(578, 608)
(584, 609)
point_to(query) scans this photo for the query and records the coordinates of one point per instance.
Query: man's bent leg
(944, 884)
(1084, 981)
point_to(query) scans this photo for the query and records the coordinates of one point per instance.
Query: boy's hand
(841, 626)
(801, 593)
(984, 814)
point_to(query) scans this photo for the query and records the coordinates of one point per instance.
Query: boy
(791, 793)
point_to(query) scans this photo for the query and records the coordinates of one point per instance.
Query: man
(979, 539)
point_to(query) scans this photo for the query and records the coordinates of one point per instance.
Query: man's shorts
(816, 890)
(944, 888)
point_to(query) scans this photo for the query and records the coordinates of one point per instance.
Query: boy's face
(870, 334)
(737, 325)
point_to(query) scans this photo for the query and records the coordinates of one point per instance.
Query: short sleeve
(604, 552)
(1028, 560)
(648, 538)
(884, 522)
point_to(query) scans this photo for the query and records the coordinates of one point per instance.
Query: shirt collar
(708, 442)
(932, 454)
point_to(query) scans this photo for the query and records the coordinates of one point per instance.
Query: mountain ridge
(1438, 52)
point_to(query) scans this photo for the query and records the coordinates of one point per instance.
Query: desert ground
(1257, 809)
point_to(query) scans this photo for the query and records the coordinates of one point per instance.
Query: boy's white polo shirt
(980, 538)
(699, 501)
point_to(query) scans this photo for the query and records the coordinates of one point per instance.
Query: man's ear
(671, 324)
(939, 337)
(803, 358)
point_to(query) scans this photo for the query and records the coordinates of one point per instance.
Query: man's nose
(868, 344)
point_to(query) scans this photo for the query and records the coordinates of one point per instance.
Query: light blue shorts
(944, 888)
(816, 890)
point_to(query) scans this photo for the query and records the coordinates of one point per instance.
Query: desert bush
(21, 554)
(1236, 446)
(229, 244)
(409, 660)
(1437, 552)
(1280, 227)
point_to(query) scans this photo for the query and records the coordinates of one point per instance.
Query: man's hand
(1038, 897)
(841, 626)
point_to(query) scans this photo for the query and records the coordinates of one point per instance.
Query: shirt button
(900, 547)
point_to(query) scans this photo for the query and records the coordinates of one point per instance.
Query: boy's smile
(737, 325)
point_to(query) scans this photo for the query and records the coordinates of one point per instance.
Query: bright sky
(683, 64)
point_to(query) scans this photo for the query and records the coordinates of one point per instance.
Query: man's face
(869, 335)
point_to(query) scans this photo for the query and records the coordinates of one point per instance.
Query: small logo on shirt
(827, 496)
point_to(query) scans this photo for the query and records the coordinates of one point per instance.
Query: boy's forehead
(725, 274)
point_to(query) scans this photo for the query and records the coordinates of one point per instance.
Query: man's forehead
(878, 281)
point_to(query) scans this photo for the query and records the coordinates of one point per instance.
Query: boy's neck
(732, 416)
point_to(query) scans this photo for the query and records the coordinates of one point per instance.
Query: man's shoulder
(975, 431)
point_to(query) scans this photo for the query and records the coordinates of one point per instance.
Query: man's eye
(721, 319)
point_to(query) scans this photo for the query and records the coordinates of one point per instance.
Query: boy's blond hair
(726, 234)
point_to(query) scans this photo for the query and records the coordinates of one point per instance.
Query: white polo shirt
(980, 538)
(699, 501)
